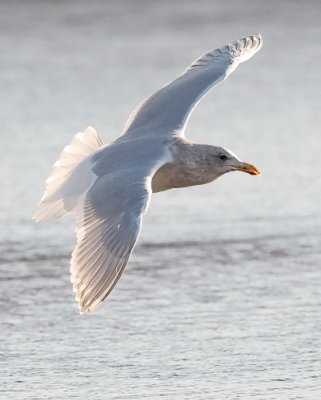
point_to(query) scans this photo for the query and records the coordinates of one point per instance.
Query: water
(221, 299)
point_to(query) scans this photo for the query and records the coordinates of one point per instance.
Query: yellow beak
(250, 169)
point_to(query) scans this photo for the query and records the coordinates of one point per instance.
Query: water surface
(221, 299)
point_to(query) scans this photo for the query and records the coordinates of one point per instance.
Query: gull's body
(109, 186)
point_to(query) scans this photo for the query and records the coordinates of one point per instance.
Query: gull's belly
(176, 175)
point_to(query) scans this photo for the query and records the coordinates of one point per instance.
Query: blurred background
(221, 297)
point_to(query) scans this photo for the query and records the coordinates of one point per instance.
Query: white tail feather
(70, 177)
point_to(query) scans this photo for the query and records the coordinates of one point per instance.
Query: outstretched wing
(168, 110)
(108, 222)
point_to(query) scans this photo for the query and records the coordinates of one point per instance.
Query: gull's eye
(223, 157)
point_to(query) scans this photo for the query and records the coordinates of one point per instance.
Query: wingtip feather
(243, 49)
(83, 309)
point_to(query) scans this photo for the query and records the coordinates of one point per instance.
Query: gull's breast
(176, 175)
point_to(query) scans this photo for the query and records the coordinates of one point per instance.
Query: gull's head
(222, 161)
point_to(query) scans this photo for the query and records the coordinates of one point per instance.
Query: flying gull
(108, 187)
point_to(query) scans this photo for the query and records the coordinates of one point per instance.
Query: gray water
(221, 298)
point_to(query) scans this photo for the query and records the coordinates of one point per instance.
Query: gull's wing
(108, 188)
(168, 109)
(108, 218)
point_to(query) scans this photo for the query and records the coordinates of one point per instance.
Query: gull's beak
(250, 169)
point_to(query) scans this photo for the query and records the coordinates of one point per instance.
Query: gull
(109, 187)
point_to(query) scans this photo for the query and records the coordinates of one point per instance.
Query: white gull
(109, 187)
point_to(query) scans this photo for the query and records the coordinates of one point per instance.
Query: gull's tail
(70, 177)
